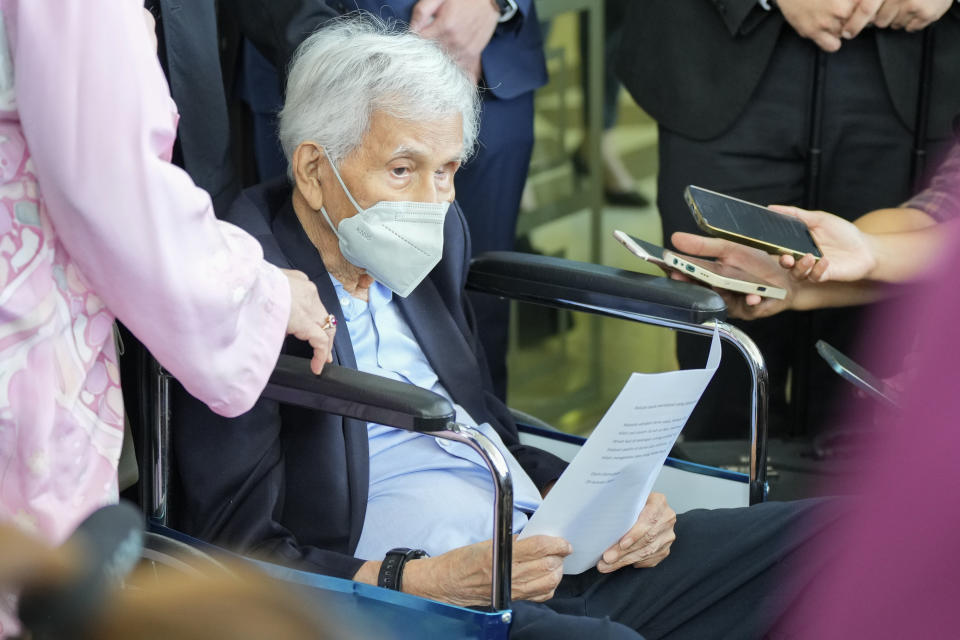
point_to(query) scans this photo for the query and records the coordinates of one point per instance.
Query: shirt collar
(379, 296)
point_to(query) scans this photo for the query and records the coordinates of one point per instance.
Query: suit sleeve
(277, 28)
(96, 115)
(238, 501)
(513, 60)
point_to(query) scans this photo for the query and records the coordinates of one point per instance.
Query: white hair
(357, 65)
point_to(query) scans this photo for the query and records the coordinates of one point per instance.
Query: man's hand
(647, 542)
(912, 15)
(754, 261)
(864, 14)
(309, 320)
(848, 254)
(825, 21)
(463, 27)
(462, 576)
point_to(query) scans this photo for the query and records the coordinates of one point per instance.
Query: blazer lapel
(445, 346)
(305, 257)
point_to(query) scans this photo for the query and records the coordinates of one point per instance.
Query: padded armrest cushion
(355, 394)
(554, 281)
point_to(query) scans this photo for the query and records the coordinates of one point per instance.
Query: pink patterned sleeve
(95, 112)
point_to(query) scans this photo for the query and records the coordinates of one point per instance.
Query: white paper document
(600, 495)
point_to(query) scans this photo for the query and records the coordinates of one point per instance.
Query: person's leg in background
(619, 186)
(259, 88)
(489, 188)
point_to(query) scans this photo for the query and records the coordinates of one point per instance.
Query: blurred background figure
(900, 580)
(90, 589)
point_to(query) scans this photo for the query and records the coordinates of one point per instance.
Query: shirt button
(345, 301)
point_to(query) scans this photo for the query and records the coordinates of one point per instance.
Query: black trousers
(763, 158)
(732, 573)
(489, 188)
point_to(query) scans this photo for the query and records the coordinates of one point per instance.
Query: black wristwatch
(508, 9)
(391, 569)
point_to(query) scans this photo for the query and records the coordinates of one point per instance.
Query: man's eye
(400, 171)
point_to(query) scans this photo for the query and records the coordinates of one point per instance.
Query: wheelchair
(543, 280)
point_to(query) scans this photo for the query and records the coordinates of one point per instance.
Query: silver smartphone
(706, 271)
(857, 375)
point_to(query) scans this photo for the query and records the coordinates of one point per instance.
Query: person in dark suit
(731, 85)
(375, 125)
(190, 55)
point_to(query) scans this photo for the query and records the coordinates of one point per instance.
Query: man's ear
(306, 162)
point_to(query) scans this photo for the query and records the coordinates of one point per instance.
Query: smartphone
(750, 224)
(706, 271)
(857, 375)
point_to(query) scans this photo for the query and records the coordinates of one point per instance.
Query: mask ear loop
(342, 185)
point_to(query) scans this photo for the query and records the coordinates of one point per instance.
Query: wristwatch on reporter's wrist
(391, 569)
(508, 9)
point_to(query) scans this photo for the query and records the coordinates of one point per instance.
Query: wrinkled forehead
(431, 139)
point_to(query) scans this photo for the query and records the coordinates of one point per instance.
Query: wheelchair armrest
(560, 282)
(359, 395)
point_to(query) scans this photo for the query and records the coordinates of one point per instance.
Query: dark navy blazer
(513, 62)
(290, 483)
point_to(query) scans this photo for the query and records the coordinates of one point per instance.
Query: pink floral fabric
(95, 224)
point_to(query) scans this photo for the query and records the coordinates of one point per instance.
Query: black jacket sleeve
(233, 475)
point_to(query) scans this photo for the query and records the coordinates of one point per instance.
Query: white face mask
(397, 243)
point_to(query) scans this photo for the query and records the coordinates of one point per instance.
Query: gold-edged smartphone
(706, 271)
(750, 224)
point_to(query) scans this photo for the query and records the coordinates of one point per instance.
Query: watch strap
(508, 9)
(391, 569)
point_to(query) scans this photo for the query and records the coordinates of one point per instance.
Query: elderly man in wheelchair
(376, 123)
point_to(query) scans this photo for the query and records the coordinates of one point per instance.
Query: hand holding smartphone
(711, 273)
(750, 224)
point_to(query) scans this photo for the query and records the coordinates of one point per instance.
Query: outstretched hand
(848, 254)
(764, 266)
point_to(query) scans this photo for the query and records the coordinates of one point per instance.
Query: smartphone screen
(856, 374)
(641, 248)
(743, 221)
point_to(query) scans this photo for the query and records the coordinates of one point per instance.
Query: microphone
(107, 545)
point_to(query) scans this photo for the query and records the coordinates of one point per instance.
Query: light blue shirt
(425, 493)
